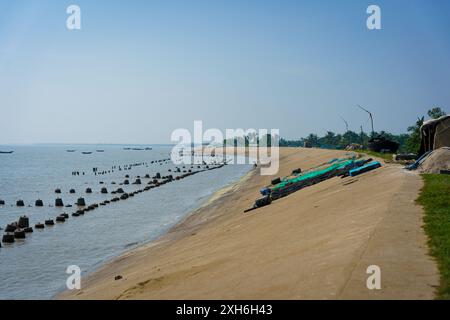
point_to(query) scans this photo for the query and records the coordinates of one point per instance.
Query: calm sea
(35, 268)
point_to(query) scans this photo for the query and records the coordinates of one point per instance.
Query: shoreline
(191, 220)
(283, 251)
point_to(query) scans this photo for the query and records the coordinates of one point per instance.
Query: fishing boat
(6, 152)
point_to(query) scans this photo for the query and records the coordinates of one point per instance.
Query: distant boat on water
(86, 152)
(70, 150)
(100, 150)
(137, 149)
(6, 152)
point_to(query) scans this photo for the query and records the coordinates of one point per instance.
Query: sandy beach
(314, 244)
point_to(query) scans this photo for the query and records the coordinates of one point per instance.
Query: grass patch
(384, 156)
(435, 199)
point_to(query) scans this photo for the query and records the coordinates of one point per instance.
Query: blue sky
(137, 70)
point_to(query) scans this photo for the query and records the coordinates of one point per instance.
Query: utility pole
(346, 124)
(361, 134)
(371, 118)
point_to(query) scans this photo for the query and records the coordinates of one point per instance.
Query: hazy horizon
(86, 144)
(138, 70)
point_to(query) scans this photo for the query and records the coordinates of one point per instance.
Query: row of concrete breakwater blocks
(19, 229)
(298, 180)
(124, 167)
(59, 202)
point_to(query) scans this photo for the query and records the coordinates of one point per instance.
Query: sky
(137, 70)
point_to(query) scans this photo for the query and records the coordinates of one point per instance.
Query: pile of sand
(438, 160)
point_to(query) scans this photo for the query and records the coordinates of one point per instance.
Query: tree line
(409, 142)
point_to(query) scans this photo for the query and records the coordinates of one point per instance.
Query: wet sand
(314, 244)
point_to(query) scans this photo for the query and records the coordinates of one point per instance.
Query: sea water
(35, 268)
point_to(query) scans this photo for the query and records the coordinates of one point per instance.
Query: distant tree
(284, 143)
(436, 112)
(348, 138)
(313, 139)
(291, 143)
(363, 138)
(268, 139)
(328, 139)
(409, 142)
(413, 142)
(401, 139)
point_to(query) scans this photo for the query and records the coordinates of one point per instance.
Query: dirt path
(314, 244)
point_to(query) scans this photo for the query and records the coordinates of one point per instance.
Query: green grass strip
(435, 199)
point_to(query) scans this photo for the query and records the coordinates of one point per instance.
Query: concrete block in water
(8, 238)
(59, 202)
(19, 234)
(24, 222)
(11, 227)
(28, 230)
